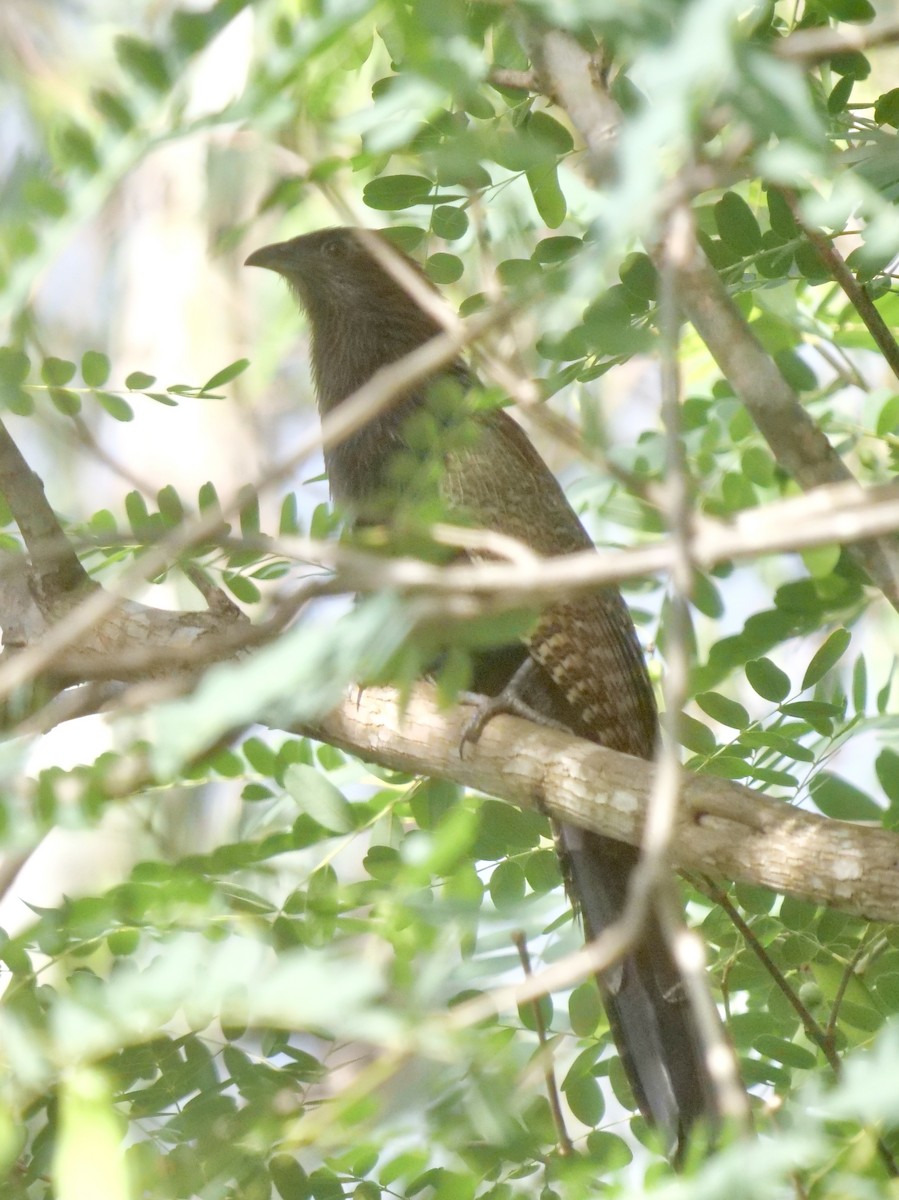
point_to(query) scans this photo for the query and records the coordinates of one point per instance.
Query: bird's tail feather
(649, 1013)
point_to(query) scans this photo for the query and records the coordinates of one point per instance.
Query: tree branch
(721, 828)
(814, 45)
(55, 567)
(855, 293)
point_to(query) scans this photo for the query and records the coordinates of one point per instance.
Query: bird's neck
(348, 347)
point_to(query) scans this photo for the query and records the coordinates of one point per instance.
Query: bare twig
(687, 949)
(549, 1074)
(856, 294)
(822, 1038)
(815, 45)
(519, 81)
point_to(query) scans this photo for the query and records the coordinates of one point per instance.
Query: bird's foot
(510, 701)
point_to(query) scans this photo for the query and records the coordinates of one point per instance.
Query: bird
(581, 665)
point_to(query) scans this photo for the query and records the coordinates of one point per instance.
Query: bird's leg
(511, 700)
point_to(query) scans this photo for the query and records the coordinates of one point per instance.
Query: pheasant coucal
(581, 666)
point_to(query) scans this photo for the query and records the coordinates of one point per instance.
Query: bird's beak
(276, 257)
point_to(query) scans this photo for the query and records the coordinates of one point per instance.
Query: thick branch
(722, 829)
(55, 566)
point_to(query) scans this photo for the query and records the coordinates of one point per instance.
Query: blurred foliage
(268, 1019)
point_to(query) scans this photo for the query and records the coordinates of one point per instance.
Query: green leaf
(695, 736)
(14, 365)
(796, 371)
(192, 30)
(767, 679)
(117, 406)
(450, 841)
(585, 1009)
(144, 62)
(826, 657)
(541, 869)
(242, 588)
(449, 222)
(821, 561)
(393, 192)
(780, 215)
(608, 1149)
(405, 237)
(95, 368)
(886, 766)
(886, 108)
(225, 375)
(77, 148)
(585, 1099)
(817, 714)
(66, 401)
(137, 512)
(528, 1016)
(888, 417)
(16, 400)
(548, 250)
(850, 10)
(289, 521)
(507, 884)
(113, 108)
(811, 265)
(57, 371)
(444, 268)
(317, 796)
(137, 381)
(737, 225)
(839, 95)
(758, 466)
(170, 505)
(552, 133)
(548, 195)
(838, 798)
(638, 274)
(289, 1178)
(785, 1052)
(706, 596)
(724, 710)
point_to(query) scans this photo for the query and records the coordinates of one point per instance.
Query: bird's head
(342, 269)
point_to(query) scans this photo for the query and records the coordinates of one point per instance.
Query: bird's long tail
(649, 1013)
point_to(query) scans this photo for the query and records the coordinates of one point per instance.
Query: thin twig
(730, 1096)
(815, 45)
(856, 294)
(552, 1092)
(845, 980)
(822, 1038)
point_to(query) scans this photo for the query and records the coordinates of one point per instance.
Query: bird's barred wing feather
(587, 645)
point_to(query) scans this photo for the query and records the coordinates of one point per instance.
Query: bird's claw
(509, 702)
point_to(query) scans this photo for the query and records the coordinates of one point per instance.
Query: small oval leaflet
(318, 797)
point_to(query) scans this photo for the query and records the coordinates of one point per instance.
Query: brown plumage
(582, 665)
